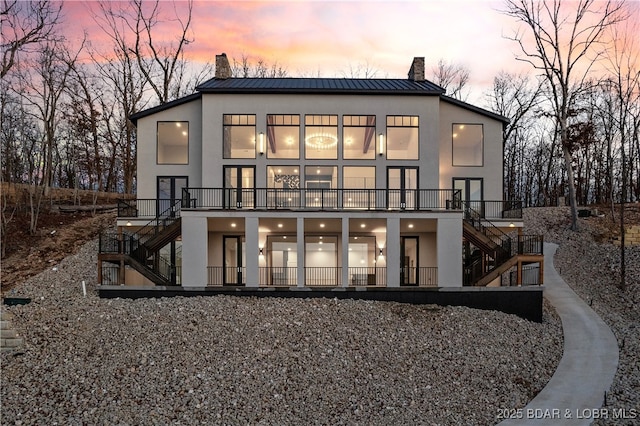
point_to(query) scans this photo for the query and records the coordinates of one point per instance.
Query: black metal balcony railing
(367, 276)
(496, 209)
(424, 276)
(226, 275)
(146, 208)
(278, 276)
(320, 199)
(322, 276)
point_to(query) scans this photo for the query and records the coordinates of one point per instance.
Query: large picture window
(283, 136)
(321, 136)
(402, 137)
(467, 144)
(173, 142)
(358, 137)
(239, 136)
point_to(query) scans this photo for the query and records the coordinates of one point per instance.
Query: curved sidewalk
(589, 361)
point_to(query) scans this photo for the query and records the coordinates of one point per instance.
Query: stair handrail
(491, 231)
(479, 223)
(168, 217)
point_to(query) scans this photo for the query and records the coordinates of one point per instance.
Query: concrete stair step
(8, 334)
(9, 340)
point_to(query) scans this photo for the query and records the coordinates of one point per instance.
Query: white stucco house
(318, 182)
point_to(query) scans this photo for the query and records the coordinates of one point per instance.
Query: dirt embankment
(58, 234)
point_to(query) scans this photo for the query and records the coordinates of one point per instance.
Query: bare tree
(24, 24)
(361, 70)
(451, 77)
(624, 65)
(245, 67)
(514, 97)
(563, 40)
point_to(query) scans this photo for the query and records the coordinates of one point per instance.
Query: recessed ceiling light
(362, 225)
(279, 225)
(284, 238)
(233, 225)
(320, 249)
(322, 225)
(411, 225)
(295, 170)
(320, 242)
(321, 237)
(279, 170)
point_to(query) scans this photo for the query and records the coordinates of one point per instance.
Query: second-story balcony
(320, 199)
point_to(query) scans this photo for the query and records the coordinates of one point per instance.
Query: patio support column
(300, 248)
(253, 251)
(345, 252)
(449, 243)
(194, 251)
(393, 252)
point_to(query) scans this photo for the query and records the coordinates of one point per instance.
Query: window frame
(401, 126)
(336, 126)
(453, 163)
(158, 143)
(373, 148)
(268, 125)
(224, 126)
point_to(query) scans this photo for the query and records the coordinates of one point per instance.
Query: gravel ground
(241, 360)
(592, 269)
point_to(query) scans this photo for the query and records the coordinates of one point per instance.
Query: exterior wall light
(261, 251)
(380, 252)
(381, 144)
(128, 223)
(261, 143)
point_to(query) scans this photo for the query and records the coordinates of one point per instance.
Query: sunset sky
(329, 37)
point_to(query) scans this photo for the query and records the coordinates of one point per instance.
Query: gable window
(358, 136)
(173, 142)
(239, 136)
(321, 136)
(402, 137)
(283, 136)
(467, 144)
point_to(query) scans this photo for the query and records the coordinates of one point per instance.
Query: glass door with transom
(471, 193)
(234, 260)
(402, 184)
(239, 187)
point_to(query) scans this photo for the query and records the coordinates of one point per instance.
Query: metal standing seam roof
(320, 85)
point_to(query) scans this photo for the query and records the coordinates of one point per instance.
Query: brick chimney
(416, 73)
(223, 69)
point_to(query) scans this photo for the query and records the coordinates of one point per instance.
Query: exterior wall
(194, 249)
(148, 169)
(215, 105)
(449, 252)
(491, 171)
(440, 243)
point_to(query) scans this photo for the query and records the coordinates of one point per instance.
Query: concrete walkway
(589, 362)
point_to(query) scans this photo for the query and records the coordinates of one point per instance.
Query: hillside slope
(590, 264)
